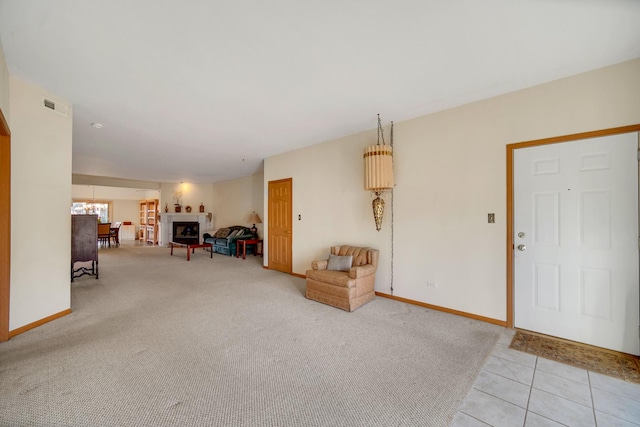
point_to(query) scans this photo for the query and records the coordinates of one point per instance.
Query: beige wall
(450, 172)
(113, 193)
(236, 199)
(192, 195)
(125, 210)
(40, 200)
(104, 181)
(4, 86)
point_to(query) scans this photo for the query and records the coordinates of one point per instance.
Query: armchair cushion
(340, 262)
(332, 277)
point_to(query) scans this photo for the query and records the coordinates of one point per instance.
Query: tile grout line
(526, 410)
(621, 395)
(477, 419)
(510, 371)
(531, 386)
(593, 404)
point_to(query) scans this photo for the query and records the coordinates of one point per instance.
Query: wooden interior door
(280, 225)
(5, 226)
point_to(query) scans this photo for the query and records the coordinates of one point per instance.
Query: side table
(242, 244)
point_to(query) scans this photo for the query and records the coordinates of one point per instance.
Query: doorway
(572, 238)
(280, 225)
(5, 226)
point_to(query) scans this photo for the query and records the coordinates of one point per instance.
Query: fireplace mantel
(167, 219)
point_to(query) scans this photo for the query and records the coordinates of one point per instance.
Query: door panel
(280, 225)
(576, 217)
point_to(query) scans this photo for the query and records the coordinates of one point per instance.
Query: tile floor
(520, 389)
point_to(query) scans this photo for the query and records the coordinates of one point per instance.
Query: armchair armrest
(320, 264)
(362, 270)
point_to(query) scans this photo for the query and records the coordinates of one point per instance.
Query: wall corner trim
(37, 323)
(444, 309)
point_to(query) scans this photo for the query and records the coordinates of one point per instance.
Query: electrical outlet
(491, 218)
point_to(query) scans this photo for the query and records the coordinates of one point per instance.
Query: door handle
(522, 248)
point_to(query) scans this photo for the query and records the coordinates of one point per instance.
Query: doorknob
(522, 248)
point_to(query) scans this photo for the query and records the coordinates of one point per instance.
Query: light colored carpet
(159, 341)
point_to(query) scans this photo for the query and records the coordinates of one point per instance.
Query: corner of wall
(40, 165)
(4, 86)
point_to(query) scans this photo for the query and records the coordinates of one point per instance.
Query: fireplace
(186, 232)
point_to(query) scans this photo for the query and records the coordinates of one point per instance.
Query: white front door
(576, 241)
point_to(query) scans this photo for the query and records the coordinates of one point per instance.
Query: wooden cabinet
(143, 220)
(84, 245)
(149, 221)
(127, 231)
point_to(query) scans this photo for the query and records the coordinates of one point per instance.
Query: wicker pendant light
(378, 172)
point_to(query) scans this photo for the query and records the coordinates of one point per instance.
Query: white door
(576, 241)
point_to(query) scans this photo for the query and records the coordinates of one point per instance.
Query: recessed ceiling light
(97, 125)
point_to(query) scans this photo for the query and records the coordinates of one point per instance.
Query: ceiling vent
(55, 106)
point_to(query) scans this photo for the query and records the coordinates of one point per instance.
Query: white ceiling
(204, 90)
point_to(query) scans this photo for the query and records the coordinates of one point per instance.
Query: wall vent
(57, 107)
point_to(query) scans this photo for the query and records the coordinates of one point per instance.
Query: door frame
(5, 226)
(510, 152)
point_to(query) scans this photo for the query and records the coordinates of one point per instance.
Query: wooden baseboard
(302, 276)
(37, 323)
(430, 306)
(444, 309)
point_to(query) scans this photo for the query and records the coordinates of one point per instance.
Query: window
(97, 208)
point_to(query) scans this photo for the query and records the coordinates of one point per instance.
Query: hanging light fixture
(378, 172)
(92, 206)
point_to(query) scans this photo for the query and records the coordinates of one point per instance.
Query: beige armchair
(348, 287)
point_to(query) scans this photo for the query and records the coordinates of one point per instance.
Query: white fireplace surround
(166, 225)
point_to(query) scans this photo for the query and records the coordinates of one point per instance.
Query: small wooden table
(191, 248)
(243, 244)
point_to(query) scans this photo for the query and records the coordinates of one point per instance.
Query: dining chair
(114, 233)
(104, 233)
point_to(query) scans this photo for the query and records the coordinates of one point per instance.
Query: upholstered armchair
(346, 280)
